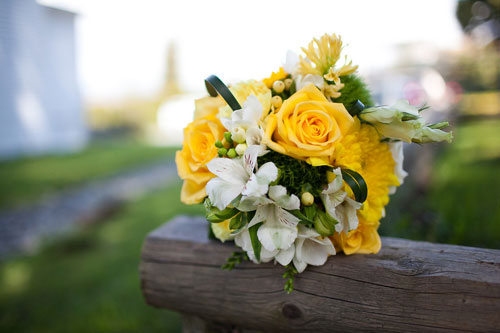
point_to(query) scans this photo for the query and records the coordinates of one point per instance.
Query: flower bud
(307, 199)
(277, 101)
(324, 224)
(218, 144)
(288, 83)
(240, 148)
(227, 136)
(222, 151)
(238, 135)
(278, 86)
(231, 153)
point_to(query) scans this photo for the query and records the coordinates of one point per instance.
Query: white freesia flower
(339, 206)
(235, 176)
(244, 123)
(396, 149)
(279, 230)
(303, 81)
(402, 121)
(311, 249)
(292, 61)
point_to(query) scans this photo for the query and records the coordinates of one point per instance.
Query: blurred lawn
(90, 281)
(27, 179)
(463, 202)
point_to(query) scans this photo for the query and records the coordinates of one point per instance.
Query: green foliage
(354, 88)
(289, 275)
(461, 204)
(294, 174)
(27, 179)
(235, 259)
(256, 245)
(89, 282)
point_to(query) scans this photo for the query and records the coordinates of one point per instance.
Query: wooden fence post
(409, 286)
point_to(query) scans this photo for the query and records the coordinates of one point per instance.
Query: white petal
(243, 240)
(336, 184)
(248, 203)
(250, 157)
(403, 105)
(275, 233)
(227, 123)
(267, 256)
(292, 59)
(305, 232)
(315, 253)
(255, 187)
(230, 170)
(221, 192)
(282, 199)
(261, 215)
(396, 149)
(267, 173)
(299, 265)
(316, 80)
(252, 109)
(254, 135)
(284, 257)
(347, 215)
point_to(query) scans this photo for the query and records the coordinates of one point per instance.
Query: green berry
(222, 151)
(231, 153)
(218, 144)
(227, 136)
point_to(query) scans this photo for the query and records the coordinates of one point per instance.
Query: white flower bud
(307, 199)
(277, 101)
(278, 86)
(240, 148)
(238, 134)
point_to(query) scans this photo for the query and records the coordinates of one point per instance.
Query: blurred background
(94, 96)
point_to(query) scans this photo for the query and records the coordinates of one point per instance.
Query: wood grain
(409, 286)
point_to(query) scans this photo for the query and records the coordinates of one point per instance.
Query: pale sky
(121, 44)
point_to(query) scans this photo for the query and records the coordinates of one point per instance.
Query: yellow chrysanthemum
(362, 151)
(275, 76)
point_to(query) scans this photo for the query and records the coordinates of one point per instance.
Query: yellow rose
(207, 106)
(307, 126)
(242, 90)
(198, 149)
(363, 240)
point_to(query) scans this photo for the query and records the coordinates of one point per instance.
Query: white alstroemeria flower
(291, 63)
(402, 121)
(279, 230)
(396, 149)
(311, 249)
(235, 176)
(284, 257)
(317, 80)
(339, 206)
(245, 122)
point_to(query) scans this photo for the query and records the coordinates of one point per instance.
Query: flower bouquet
(298, 166)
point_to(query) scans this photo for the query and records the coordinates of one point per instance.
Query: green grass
(90, 281)
(27, 179)
(463, 203)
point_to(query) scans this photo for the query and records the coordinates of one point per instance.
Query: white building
(40, 104)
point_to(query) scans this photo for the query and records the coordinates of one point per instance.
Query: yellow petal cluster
(307, 126)
(362, 151)
(275, 76)
(321, 55)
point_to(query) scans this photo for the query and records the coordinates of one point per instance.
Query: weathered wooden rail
(409, 286)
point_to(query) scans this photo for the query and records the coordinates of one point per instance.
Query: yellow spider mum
(362, 151)
(275, 76)
(322, 56)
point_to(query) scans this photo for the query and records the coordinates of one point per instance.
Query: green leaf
(356, 183)
(298, 214)
(256, 245)
(310, 211)
(235, 259)
(214, 215)
(324, 224)
(289, 275)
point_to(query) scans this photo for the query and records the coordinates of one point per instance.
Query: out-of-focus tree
(478, 66)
